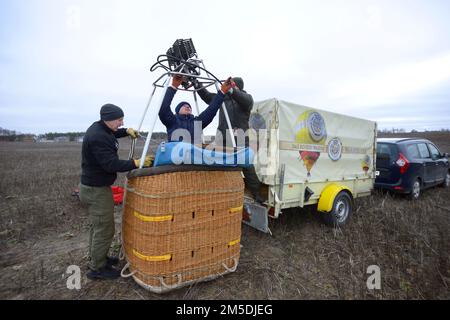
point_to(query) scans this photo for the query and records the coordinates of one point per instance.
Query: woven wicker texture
(182, 227)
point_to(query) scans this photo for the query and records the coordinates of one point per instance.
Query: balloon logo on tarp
(310, 129)
(309, 160)
(335, 149)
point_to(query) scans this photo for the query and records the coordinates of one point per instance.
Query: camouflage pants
(100, 205)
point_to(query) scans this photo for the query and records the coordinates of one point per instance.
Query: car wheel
(415, 190)
(341, 212)
(446, 182)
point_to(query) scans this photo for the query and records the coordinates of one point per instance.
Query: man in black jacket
(99, 166)
(239, 106)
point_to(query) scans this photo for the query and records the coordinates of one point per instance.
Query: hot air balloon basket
(181, 225)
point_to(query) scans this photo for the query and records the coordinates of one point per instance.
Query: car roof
(400, 140)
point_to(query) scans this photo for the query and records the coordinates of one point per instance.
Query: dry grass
(43, 230)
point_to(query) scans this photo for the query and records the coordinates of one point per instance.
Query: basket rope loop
(121, 251)
(152, 258)
(233, 269)
(122, 273)
(180, 281)
(152, 219)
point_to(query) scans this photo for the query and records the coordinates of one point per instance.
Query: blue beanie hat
(177, 109)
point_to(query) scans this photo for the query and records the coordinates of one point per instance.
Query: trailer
(306, 156)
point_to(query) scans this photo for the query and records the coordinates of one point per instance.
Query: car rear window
(413, 151)
(423, 150)
(386, 150)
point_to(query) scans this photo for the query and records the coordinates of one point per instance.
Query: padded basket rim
(153, 171)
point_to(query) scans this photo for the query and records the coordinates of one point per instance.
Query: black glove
(197, 84)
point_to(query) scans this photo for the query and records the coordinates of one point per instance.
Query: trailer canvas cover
(314, 145)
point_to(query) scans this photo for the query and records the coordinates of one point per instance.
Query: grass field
(44, 229)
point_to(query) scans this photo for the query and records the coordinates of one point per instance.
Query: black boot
(112, 261)
(106, 272)
(258, 199)
(252, 183)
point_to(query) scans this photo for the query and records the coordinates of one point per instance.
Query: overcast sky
(387, 61)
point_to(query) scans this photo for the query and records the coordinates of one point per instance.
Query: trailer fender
(328, 195)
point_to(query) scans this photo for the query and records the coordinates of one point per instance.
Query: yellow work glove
(147, 162)
(132, 133)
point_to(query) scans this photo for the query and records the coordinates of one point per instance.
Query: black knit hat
(178, 107)
(110, 112)
(239, 82)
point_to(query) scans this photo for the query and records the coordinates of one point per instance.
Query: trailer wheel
(341, 212)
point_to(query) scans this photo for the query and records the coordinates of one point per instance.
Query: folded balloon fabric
(177, 153)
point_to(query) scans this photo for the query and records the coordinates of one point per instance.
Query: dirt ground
(44, 230)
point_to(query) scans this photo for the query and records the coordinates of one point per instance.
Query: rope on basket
(169, 287)
(187, 193)
(165, 288)
(233, 269)
(121, 251)
(122, 273)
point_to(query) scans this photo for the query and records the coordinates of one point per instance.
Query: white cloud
(325, 54)
(394, 83)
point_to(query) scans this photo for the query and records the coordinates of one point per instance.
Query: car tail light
(403, 163)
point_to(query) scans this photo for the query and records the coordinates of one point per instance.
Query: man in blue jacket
(183, 117)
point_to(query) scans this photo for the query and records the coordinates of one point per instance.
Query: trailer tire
(341, 211)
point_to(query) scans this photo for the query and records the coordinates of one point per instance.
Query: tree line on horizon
(13, 135)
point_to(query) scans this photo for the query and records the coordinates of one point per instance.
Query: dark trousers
(251, 180)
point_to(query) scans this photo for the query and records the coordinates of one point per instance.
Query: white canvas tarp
(314, 145)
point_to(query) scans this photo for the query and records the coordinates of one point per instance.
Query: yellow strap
(152, 258)
(152, 219)
(170, 217)
(232, 243)
(236, 209)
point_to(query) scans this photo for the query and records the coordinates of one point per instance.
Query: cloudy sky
(387, 61)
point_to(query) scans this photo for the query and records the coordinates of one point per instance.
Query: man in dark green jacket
(99, 166)
(239, 105)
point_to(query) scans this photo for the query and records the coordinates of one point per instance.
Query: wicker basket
(181, 224)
